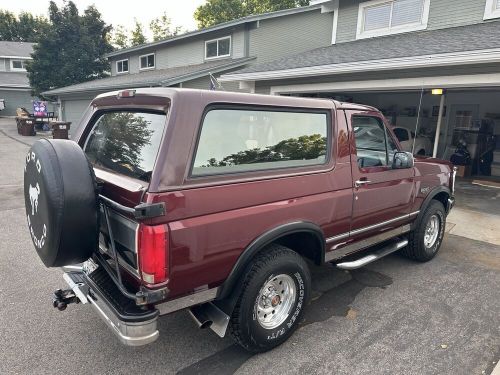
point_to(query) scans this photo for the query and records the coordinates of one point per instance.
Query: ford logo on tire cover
(61, 202)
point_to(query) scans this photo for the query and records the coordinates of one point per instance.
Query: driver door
(382, 196)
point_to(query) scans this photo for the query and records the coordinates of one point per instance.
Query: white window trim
(361, 34)
(217, 40)
(17, 69)
(149, 67)
(491, 10)
(124, 71)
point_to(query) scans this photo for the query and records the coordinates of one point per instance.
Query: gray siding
(15, 99)
(451, 13)
(442, 14)
(2, 65)
(282, 36)
(188, 52)
(74, 109)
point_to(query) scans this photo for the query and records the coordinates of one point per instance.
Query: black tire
(417, 249)
(245, 328)
(60, 194)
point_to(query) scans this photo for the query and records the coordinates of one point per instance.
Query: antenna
(418, 118)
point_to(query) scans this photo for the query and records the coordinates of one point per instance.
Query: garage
(72, 109)
(470, 118)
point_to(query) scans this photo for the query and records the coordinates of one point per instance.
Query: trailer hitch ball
(62, 298)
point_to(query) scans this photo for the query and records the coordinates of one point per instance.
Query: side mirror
(402, 160)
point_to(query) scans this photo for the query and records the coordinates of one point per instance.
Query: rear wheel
(425, 240)
(276, 289)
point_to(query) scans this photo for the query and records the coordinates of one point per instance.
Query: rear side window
(126, 142)
(240, 140)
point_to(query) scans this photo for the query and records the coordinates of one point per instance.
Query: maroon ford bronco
(216, 202)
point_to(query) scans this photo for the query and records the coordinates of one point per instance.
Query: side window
(374, 146)
(241, 140)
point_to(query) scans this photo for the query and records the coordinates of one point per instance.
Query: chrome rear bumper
(131, 330)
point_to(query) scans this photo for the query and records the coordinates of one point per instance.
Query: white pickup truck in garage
(406, 138)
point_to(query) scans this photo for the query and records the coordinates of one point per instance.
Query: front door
(382, 196)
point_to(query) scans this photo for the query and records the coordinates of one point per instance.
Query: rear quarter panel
(212, 221)
(429, 174)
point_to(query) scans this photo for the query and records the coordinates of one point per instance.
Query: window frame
(362, 34)
(388, 134)
(23, 63)
(218, 40)
(123, 71)
(148, 67)
(491, 10)
(265, 172)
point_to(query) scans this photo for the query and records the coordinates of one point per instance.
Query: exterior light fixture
(437, 91)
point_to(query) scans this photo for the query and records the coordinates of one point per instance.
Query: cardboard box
(463, 170)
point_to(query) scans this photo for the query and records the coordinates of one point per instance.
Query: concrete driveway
(392, 317)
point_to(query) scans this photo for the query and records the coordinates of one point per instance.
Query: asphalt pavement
(394, 316)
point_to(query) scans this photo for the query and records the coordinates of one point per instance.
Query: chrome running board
(373, 256)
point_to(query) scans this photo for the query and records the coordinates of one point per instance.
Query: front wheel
(425, 240)
(275, 292)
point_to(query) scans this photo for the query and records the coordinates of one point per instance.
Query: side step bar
(373, 257)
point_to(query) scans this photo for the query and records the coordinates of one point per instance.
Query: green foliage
(119, 38)
(161, 27)
(305, 147)
(214, 12)
(137, 35)
(71, 50)
(24, 28)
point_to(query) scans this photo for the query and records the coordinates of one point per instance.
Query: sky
(120, 12)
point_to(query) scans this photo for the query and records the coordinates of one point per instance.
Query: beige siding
(442, 14)
(284, 36)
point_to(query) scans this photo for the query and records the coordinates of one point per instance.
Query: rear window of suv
(126, 142)
(242, 140)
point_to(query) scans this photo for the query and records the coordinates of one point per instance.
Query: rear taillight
(153, 254)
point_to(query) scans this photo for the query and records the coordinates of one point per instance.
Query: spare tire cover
(60, 195)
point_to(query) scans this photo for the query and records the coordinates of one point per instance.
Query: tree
(137, 35)
(71, 51)
(24, 28)
(214, 12)
(161, 27)
(119, 38)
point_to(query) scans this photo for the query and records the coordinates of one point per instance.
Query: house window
(218, 48)
(147, 61)
(492, 9)
(17, 65)
(122, 66)
(385, 17)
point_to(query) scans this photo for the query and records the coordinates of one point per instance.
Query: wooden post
(438, 127)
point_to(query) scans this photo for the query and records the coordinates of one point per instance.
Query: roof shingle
(17, 49)
(457, 39)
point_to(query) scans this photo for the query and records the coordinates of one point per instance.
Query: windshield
(126, 142)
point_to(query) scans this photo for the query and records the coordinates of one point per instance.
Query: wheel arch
(439, 193)
(291, 235)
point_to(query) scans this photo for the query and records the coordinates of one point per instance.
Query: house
(14, 85)
(189, 60)
(391, 54)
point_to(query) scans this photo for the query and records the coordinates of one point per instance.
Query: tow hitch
(62, 298)
(76, 293)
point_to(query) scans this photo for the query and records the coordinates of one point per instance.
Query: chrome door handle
(360, 183)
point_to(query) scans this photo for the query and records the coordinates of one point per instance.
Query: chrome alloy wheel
(432, 231)
(275, 301)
